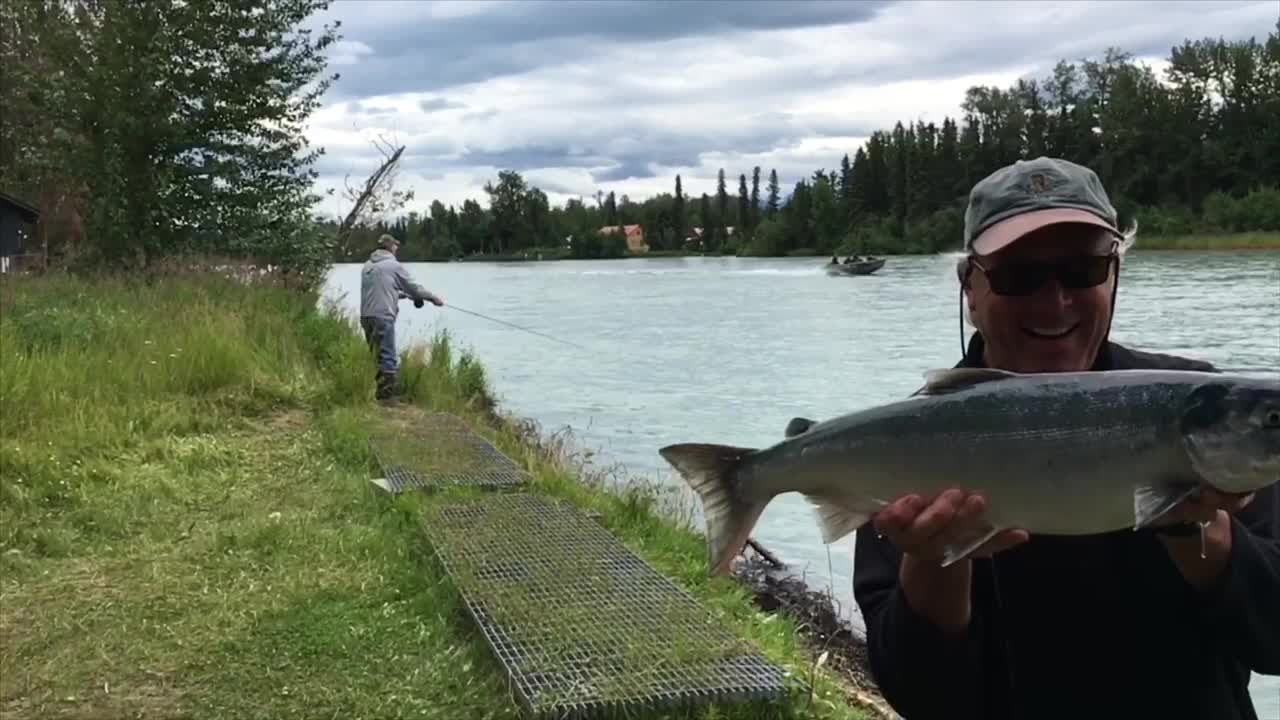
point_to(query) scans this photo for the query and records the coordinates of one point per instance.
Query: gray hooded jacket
(383, 281)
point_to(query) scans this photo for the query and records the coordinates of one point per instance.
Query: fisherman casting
(383, 282)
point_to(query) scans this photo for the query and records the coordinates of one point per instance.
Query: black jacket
(1084, 627)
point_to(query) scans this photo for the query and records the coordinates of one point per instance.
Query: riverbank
(1199, 242)
(187, 526)
(1202, 242)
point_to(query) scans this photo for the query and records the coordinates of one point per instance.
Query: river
(727, 350)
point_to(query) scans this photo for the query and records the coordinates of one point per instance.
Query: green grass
(187, 528)
(1204, 241)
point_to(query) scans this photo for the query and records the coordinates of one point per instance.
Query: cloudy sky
(622, 96)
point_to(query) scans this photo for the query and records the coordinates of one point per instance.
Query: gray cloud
(634, 92)
(630, 168)
(649, 150)
(477, 115)
(553, 186)
(437, 104)
(531, 157)
(413, 52)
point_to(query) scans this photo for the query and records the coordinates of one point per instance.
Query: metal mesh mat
(439, 450)
(580, 624)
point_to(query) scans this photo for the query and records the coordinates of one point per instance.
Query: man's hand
(1204, 506)
(1201, 557)
(437, 300)
(924, 530)
(921, 531)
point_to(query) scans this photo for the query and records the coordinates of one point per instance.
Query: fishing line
(513, 325)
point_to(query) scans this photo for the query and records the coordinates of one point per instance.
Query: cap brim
(1008, 231)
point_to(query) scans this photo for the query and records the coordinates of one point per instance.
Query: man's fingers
(896, 517)
(953, 517)
(969, 510)
(940, 513)
(1204, 507)
(1226, 501)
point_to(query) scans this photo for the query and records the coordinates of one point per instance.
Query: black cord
(995, 581)
(1010, 672)
(997, 596)
(964, 283)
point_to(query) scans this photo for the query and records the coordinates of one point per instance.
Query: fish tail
(712, 472)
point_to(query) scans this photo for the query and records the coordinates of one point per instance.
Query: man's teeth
(1050, 332)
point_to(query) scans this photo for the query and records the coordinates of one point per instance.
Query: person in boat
(1159, 630)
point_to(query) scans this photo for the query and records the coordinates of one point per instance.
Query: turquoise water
(727, 350)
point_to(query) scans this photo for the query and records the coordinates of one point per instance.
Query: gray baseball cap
(1029, 195)
(386, 242)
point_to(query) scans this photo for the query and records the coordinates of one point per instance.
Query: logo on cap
(1039, 183)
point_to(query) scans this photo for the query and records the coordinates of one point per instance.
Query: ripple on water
(729, 349)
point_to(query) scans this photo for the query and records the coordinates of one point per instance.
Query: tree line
(1194, 151)
(175, 127)
(144, 130)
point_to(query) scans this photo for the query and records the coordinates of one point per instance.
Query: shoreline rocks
(776, 590)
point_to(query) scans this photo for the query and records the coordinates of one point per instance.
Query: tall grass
(96, 370)
(187, 526)
(106, 361)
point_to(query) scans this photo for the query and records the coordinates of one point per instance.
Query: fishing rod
(517, 327)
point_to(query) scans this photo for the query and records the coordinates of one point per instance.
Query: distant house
(17, 231)
(634, 235)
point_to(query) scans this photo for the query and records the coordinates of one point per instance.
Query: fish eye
(1272, 418)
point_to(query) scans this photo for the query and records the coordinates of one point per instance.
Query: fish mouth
(1050, 332)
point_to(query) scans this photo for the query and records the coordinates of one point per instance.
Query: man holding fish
(1059, 526)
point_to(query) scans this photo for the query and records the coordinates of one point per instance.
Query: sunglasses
(1024, 277)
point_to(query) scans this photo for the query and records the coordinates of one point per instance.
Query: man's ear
(964, 269)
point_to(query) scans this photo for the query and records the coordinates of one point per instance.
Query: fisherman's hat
(1031, 194)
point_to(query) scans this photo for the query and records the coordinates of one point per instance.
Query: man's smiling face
(1052, 326)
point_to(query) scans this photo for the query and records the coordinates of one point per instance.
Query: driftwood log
(776, 590)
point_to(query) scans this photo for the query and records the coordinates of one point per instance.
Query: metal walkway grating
(580, 624)
(438, 450)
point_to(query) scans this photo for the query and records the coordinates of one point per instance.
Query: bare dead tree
(376, 196)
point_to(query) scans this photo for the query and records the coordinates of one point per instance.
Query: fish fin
(837, 520)
(712, 472)
(1151, 502)
(941, 382)
(955, 552)
(799, 426)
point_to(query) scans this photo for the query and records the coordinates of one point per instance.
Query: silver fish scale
(1061, 453)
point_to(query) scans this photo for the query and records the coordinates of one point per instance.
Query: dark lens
(1084, 272)
(1024, 278)
(1017, 278)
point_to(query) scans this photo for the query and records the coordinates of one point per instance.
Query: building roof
(29, 212)
(628, 229)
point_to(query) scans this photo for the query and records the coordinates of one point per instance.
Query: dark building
(17, 229)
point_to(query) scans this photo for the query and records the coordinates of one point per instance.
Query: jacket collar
(973, 355)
